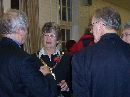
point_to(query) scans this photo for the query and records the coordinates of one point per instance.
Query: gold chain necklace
(51, 68)
(44, 64)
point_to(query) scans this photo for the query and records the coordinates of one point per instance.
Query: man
(126, 32)
(103, 70)
(19, 73)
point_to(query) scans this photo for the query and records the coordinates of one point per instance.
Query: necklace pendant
(50, 69)
(53, 75)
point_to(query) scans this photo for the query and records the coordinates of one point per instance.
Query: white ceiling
(121, 3)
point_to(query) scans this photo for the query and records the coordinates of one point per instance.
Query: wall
(45, 12)
(125, 15)
(7, 4)
(85, 13)
(84, 18)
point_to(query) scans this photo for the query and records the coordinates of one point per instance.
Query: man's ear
(19, 31)
(101, 26)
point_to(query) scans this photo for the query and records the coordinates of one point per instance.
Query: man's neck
(12, 36)
(110, 31)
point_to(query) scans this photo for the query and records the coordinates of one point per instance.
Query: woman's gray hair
(49, 26)
(126, 26)
(11, 20)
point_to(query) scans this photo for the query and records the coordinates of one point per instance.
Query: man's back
(19, 72)
(110, 67)
(106, 69)
(18, 76)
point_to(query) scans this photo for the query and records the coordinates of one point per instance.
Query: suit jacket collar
(9, 42)
(110, 36)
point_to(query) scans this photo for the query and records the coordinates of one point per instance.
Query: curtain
(1, 8)
(31, 7)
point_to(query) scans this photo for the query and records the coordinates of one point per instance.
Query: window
(65, 10)
(65, 36)
(65, 14)
(15, 4)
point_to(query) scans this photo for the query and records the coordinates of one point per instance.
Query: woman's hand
(45, 70)
(64, 86)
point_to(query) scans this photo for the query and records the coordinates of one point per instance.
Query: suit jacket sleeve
(79, 80)
(36, 83)
(67, 64)
(52, 85)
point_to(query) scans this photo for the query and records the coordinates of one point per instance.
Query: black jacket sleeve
(52, 85)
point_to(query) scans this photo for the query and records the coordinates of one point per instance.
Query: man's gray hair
(12, 20)
(110, 17)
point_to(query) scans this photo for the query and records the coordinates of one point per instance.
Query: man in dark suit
(103, 70)
(19, 76)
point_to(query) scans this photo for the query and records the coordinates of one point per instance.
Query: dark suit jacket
(62, 70)
(19, 76)
(102, 70)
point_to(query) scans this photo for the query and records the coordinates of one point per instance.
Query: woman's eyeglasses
(125, 34)
(51, 36)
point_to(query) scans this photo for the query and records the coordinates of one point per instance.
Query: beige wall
(86, 12)
(7, 4)
(48, 11)
(84, 18)
(125, 15)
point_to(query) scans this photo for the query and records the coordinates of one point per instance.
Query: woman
(51, 57)
(126, 32)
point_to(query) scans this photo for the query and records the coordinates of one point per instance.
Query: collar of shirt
(42, 52)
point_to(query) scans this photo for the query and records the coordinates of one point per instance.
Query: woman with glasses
(126, 32)
(51, 57)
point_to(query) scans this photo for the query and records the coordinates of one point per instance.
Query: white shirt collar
(42, 52)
